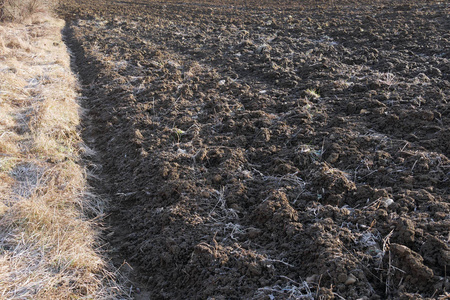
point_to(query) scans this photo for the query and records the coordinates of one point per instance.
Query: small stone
(311, 279)
(246, 174)
(363, 111)
(400, 249)
(387, 202)
(351, 279)
(181, 151)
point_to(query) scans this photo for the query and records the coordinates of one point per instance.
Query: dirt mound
(268, 153)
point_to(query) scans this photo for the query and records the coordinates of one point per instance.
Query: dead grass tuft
(48, 241)
(21, 10)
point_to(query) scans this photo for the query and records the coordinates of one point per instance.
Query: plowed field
(263, 150)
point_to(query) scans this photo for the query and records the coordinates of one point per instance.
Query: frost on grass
(48, 245)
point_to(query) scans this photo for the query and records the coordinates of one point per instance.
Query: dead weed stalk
(20, 10)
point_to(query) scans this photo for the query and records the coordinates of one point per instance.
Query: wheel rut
(114, 231)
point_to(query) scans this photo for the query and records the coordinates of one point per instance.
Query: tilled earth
(271, 150)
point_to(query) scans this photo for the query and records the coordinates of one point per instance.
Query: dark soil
(263, 150)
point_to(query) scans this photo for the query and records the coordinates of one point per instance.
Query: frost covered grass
(49, 245)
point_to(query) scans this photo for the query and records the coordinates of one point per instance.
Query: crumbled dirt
(269, 150)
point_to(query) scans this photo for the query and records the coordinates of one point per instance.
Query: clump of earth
(271, 150)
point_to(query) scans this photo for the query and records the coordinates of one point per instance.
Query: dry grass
(24, 10)
(48, 244)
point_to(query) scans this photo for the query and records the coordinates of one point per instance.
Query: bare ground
(290, 151)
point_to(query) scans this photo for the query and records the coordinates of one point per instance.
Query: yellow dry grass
(48, 244)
